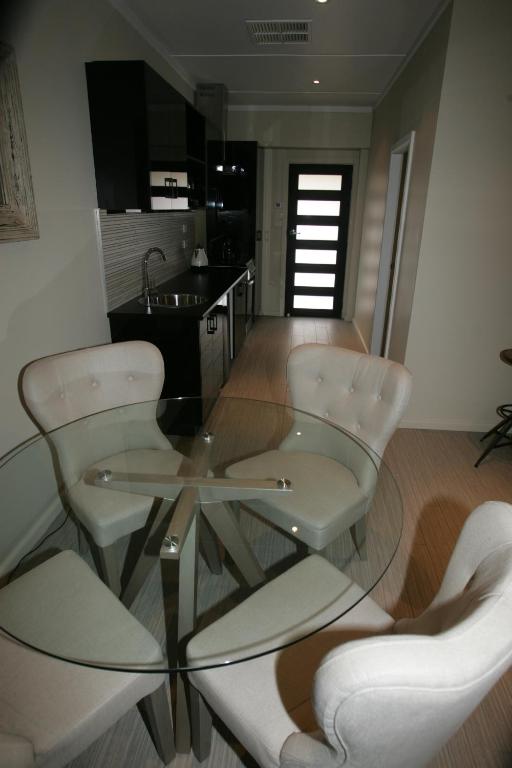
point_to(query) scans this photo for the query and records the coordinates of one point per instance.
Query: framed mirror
(18, 218)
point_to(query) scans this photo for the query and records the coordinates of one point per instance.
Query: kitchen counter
(213, 283)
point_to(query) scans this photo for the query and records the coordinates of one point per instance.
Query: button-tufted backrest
(364, 394)
(65, 387)
(62, 389)
(392, 701)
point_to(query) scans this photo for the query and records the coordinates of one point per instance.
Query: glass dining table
(252, 489)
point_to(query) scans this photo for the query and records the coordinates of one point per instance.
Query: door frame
(391, 233)
(341, 244)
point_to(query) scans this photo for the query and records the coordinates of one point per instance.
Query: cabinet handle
(211, 323)
(172, 185)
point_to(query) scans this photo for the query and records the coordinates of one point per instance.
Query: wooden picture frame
(18, 218)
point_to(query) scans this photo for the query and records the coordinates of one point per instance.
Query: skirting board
(447, 425)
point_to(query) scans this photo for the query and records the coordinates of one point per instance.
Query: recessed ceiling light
(321, 1)
(316, 82)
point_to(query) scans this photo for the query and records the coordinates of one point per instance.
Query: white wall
(411, 104)
(316, 128)
(301, 135)
(50, 293)
(462, 313)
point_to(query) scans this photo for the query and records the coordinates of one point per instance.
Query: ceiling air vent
(274, 32)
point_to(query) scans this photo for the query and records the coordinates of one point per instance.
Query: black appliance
(231, 225)
(231, 201)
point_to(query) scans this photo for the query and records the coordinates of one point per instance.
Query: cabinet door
(166, 116)
(211, 344)
(119, 133)
(195, 132)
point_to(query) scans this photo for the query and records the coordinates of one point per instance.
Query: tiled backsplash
(125, 238)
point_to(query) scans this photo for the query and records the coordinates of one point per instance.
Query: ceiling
(355, 47)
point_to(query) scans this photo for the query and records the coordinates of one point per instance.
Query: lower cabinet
(195, 353)
(211, 345)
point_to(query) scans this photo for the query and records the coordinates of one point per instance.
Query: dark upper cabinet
(141, 125)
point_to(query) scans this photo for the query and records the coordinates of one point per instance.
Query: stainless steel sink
(174, 300)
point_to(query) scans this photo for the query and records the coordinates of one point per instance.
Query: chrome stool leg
(500, 431)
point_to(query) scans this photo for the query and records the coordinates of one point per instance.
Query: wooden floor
(439, 487)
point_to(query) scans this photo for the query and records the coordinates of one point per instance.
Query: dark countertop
(213, 283)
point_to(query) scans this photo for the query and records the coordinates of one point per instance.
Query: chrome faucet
(146, 291)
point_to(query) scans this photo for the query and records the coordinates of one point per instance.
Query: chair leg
(224, 523)
(235, 508)
(210, 548)
(109, 570)
(201, 725)
(358, 533)
(156, 713)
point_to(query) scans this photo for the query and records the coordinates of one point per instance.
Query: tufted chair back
(363, 394)
(63, 388)
(392, 701)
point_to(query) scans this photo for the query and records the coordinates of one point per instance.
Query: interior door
(318, 215)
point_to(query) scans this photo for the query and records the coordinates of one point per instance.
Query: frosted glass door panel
(318, 207)
(316, 240)
(315, 279)
(313, 302)
(329, 182)
(310, 256)
(317, 232)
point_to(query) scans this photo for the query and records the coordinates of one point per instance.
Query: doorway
(317, 231)
(391, 249)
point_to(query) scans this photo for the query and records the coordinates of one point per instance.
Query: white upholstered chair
(63, 388)
(369, 691)
(363, 394)
(51, 710)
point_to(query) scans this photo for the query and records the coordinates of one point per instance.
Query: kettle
(199, 259)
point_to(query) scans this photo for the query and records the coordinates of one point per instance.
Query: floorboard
(439, 487)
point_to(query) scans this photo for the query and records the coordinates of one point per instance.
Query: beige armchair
(334, 478)
(61, 389)
(366, 690)
(51, 710)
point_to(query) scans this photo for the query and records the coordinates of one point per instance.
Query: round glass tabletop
(229, 529)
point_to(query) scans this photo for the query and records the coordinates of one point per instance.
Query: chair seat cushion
(326, 499)
(109, 515)
(264, 700)
(61, 707)
(15, 752)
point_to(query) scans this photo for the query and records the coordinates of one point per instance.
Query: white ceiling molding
(134, 21)
(293, 108)
(419, 40)
(288, 55)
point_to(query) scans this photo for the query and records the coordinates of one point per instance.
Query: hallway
(260, 369)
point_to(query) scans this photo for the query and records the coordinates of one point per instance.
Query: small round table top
(506, 356)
